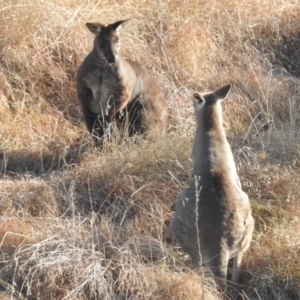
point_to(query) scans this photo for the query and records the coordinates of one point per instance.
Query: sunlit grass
(80, 223)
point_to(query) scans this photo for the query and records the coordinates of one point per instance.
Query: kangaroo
(212, 221)
(108, 84)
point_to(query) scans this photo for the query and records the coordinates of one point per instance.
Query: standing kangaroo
(214, 198)
(107, 84)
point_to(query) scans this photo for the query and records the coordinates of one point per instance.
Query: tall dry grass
(79, 223)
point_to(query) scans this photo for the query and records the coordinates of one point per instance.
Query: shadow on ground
(18, 163)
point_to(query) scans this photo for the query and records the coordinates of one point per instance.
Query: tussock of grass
(80, 223)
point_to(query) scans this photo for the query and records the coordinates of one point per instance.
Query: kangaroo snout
(111, 58)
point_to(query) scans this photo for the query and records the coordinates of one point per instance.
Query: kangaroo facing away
(109, 85)
(214, 198)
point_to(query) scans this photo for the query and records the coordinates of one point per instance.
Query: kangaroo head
(207, 106)
(106, 41)
(208, 99)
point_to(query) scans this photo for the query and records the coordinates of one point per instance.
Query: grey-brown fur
(108, 85)
(225, 223)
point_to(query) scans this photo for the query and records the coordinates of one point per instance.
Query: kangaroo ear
(198, 99)
(115, 25)
(94, 27)
(222, 93)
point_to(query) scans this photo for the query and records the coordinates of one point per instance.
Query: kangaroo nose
(111, 58)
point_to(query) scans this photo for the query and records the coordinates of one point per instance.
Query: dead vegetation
(77, 223)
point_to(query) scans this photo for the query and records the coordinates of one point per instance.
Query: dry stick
(197, 195)
(160, 34)
(72, 198)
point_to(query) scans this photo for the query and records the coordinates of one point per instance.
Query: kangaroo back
(212, 220)
(110, 86)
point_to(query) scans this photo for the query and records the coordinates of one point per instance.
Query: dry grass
(77, 223)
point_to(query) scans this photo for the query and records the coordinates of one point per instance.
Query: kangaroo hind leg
(236, 267)
(218, 265)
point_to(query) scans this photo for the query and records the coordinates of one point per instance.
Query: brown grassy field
(79, 223)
